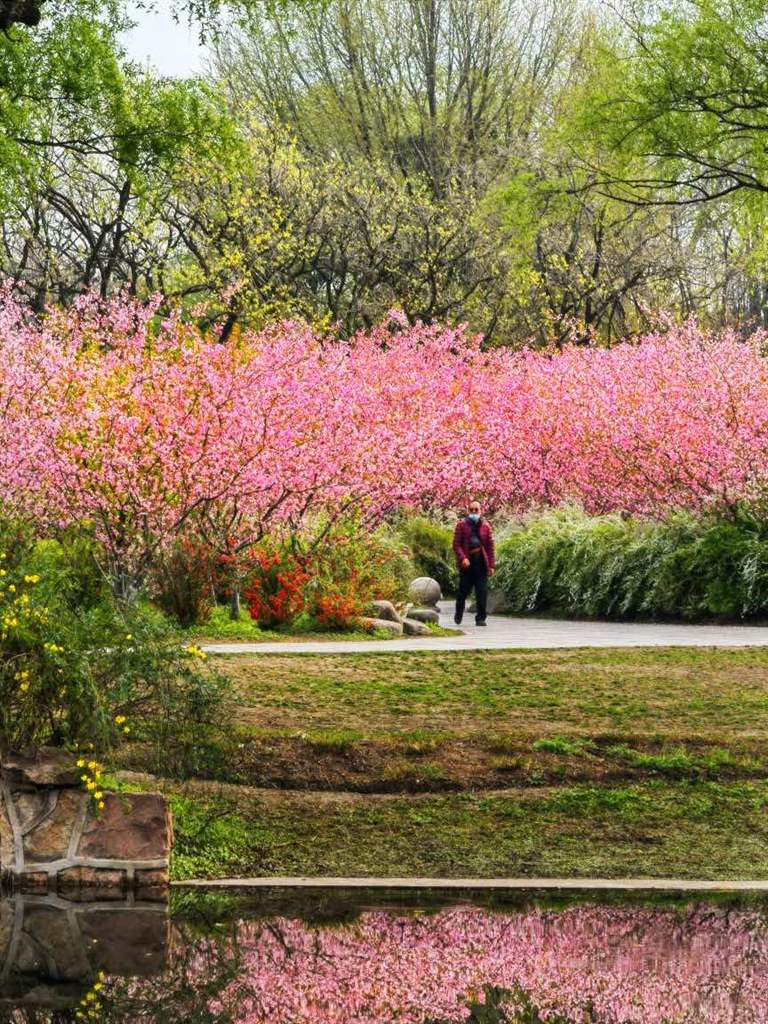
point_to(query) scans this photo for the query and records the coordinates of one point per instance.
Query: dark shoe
(457, 619)
(481, 623)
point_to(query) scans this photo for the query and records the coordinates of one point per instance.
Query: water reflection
(262, 964)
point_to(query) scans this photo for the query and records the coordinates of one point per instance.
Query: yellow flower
(92, 765)
(80, 762)
(119, 719)
(24, 687)
(129, 636)
(90, 785)
(102, 805)
(126, 729)
(98, 795)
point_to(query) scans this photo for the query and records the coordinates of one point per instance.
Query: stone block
(7, 918)
(385, 625)
(6, 839)
(413, 628)
(384, 610)
(53, 935)
(126, 940)
(135, 826)
(151, 884)
(45, 766)
(32, 805)
(33, 883)
(87, 883)
(50, 839)
(424, 615)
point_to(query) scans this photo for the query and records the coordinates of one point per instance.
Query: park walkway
(523, 633)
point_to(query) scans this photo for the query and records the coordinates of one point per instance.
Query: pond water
(312, 958)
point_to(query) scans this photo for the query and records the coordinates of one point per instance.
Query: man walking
(475, 555)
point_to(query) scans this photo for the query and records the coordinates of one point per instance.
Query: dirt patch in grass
(399, 765)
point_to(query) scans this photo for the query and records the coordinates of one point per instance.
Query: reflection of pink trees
(612, 966)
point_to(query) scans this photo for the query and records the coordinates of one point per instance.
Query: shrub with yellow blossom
(88, 676)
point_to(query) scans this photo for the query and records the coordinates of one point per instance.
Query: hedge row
(564, 562)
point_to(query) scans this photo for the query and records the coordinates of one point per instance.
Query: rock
(6, 841)
(424, 615)
(86, 884)
(395, 628)
(132, 826)
(413, 628)
(425, 591)
(50, 839)
(384, 610)
(126, 940)
(7, 916)
(152, 884)
(47, 766)
(34, 883)
(54, 935)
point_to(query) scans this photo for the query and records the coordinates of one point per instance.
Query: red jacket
(461, 541)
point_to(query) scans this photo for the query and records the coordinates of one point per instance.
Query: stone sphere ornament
(425, 591)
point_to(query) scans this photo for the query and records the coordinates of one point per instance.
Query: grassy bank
(656, 829)
(575, 763)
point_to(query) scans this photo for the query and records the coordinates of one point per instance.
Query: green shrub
(431, 546)
(84, 676)
(349, 566)
(185, 580)
(564, 562)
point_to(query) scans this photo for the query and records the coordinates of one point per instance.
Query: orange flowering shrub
(349, 568)
(275, 588)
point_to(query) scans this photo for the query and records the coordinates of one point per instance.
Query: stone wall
(51, 949)
(54, 840)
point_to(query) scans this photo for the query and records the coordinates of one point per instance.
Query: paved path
(598, 884)
(503, 632)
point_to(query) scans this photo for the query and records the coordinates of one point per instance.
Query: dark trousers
(475, 576)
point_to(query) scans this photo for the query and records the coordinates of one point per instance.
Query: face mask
(475, 517)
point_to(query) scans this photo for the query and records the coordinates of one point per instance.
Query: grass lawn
(570, 763)
(653, 829)
(671, 691)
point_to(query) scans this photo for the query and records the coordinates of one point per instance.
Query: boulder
(425, 591)
(395, 628)
(45, 766)
(384, 610)
(424, 615)
(413, 628)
